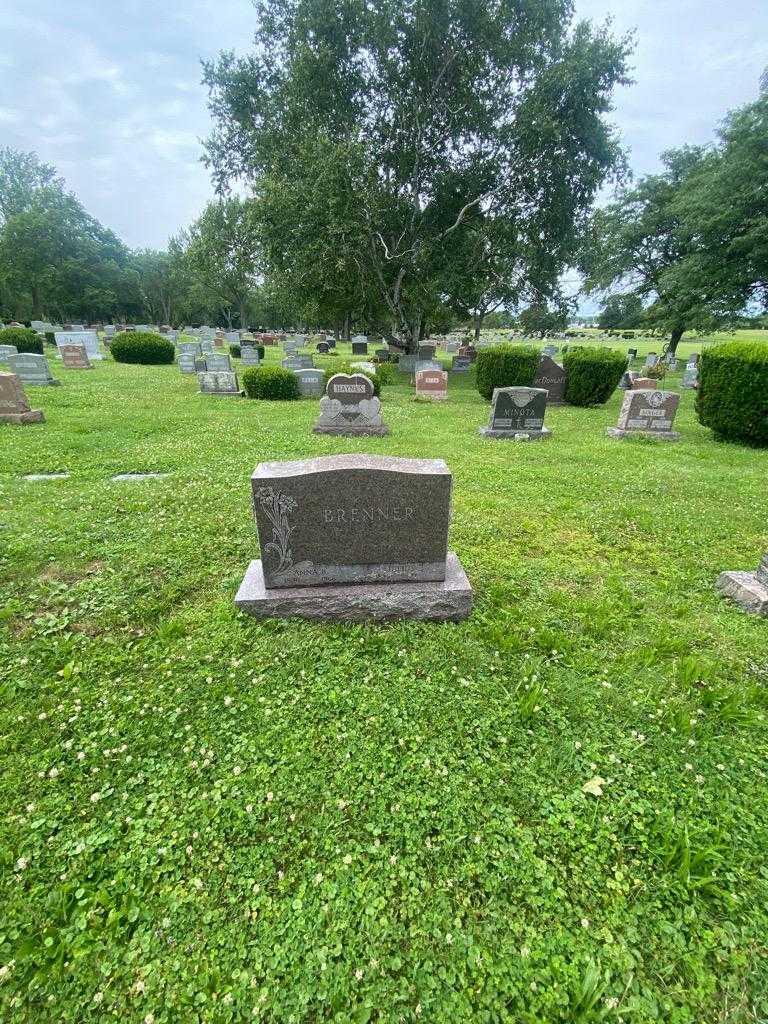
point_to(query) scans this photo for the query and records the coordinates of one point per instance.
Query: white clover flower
(95, 797)
(347, 858)
(53, 773)
(236, 770)
(21, 863)
(270, 797)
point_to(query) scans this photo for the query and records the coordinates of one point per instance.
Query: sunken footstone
(749, 589)
(34, 478)
(122, 477)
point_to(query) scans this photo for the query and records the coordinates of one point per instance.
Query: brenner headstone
(749, 589)
(32, 369)
(350, 408)
(518, 414)
(649, 414)
(218, 383)
(75, 357)
(553, 378)
(432, 384)
(14, 405)
(354, 538)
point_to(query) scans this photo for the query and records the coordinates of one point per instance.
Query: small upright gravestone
(651, 360)
(88, 338)
(14, 404)
(553, 378)
(518, 414)
(75, 357)
(218, 383)
(323, 348)
(218, 362)
(627, 379)
(648, 414)
(690, 376)
(6, 351)
(249, 354)
(350, 408)
(460, 364)
(426, 352)
(631, 355)
(187, 360)
(311, 382)
(359, 348)
(469, 352)
(31, 368)
(749, 589)
(644, 383)
(354, 538)
(432, 384)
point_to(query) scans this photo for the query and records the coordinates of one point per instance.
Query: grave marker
(354, 538)
(218, 383)
(350, 408)
(249, 354)
(432, 384)
(88, 338)
(518, 414)
(749, 589)
(218, 362)
(6, 351)
(649, 414)
(311, 382)
(359, 348)
(75, 357)
(553, 378)
(31, 368)
(14, 404)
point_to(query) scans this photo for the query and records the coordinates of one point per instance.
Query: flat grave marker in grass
(349, 408)
(14, 404)
(647, 413)
(353, 538)
(517, 414)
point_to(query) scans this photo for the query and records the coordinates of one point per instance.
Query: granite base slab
(654, 435)
(746, 589)
(350, 431)
(447, 600)
(35, 416)
(517, 435)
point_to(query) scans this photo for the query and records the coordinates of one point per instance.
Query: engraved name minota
(392, 513)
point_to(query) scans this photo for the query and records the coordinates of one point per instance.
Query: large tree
(434, 113)
(621, 312)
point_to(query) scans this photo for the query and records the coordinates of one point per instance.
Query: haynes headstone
(354, 538)
(350, 408)
(518, 414)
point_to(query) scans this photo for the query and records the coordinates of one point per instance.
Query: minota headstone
(14, 404)
(432, 384)
(553, 378)
(649, 414)
(354, 538)
(518, 414)
(749, 589)
(75, 357)
(218, 383)
(31, 368)
(350, 408)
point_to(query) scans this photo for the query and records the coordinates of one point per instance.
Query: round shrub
(142, 347)
(593, 374)
(505, 366)
(374, 378)
(732, 398)
(271, 382)
(234, 350)
(50, 338)
(24, 338)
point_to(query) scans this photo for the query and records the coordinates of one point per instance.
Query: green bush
(732, 397)
(50, 338)
(24, 338)
(386, 373)
(142, 347)
(505, 366)
(271, 382)
(234, 350)
(593, 374)
(374, 378)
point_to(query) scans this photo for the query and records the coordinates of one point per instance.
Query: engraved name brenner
(391, 513)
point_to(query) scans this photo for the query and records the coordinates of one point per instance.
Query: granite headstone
(649, 414)
(518, 414)
(31, 368)
(553, 378)
(350, 408)
(14, 404)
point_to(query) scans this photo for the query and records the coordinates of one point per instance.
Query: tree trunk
(336, 331)
(674, 340)
(477, 320)
(346, 327)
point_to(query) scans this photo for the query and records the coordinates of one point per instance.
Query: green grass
(205, 818)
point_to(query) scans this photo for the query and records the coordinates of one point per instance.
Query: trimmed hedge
(24, 338)
(234, 350)
(505, 366)
(374, 378)
(593, 374)
(732, 398)
(272, 383)
(142, 347)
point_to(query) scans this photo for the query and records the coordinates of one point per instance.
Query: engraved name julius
(391, 513)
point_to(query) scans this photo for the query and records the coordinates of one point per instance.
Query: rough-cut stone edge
(51, 382)
(746, 589)
(33, 416)
(351, 431)
(449, 600)
(516, 435)
(656, 435)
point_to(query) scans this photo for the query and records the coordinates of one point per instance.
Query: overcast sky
(109, 90)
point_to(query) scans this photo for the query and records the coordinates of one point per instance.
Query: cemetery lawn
(206, 818)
